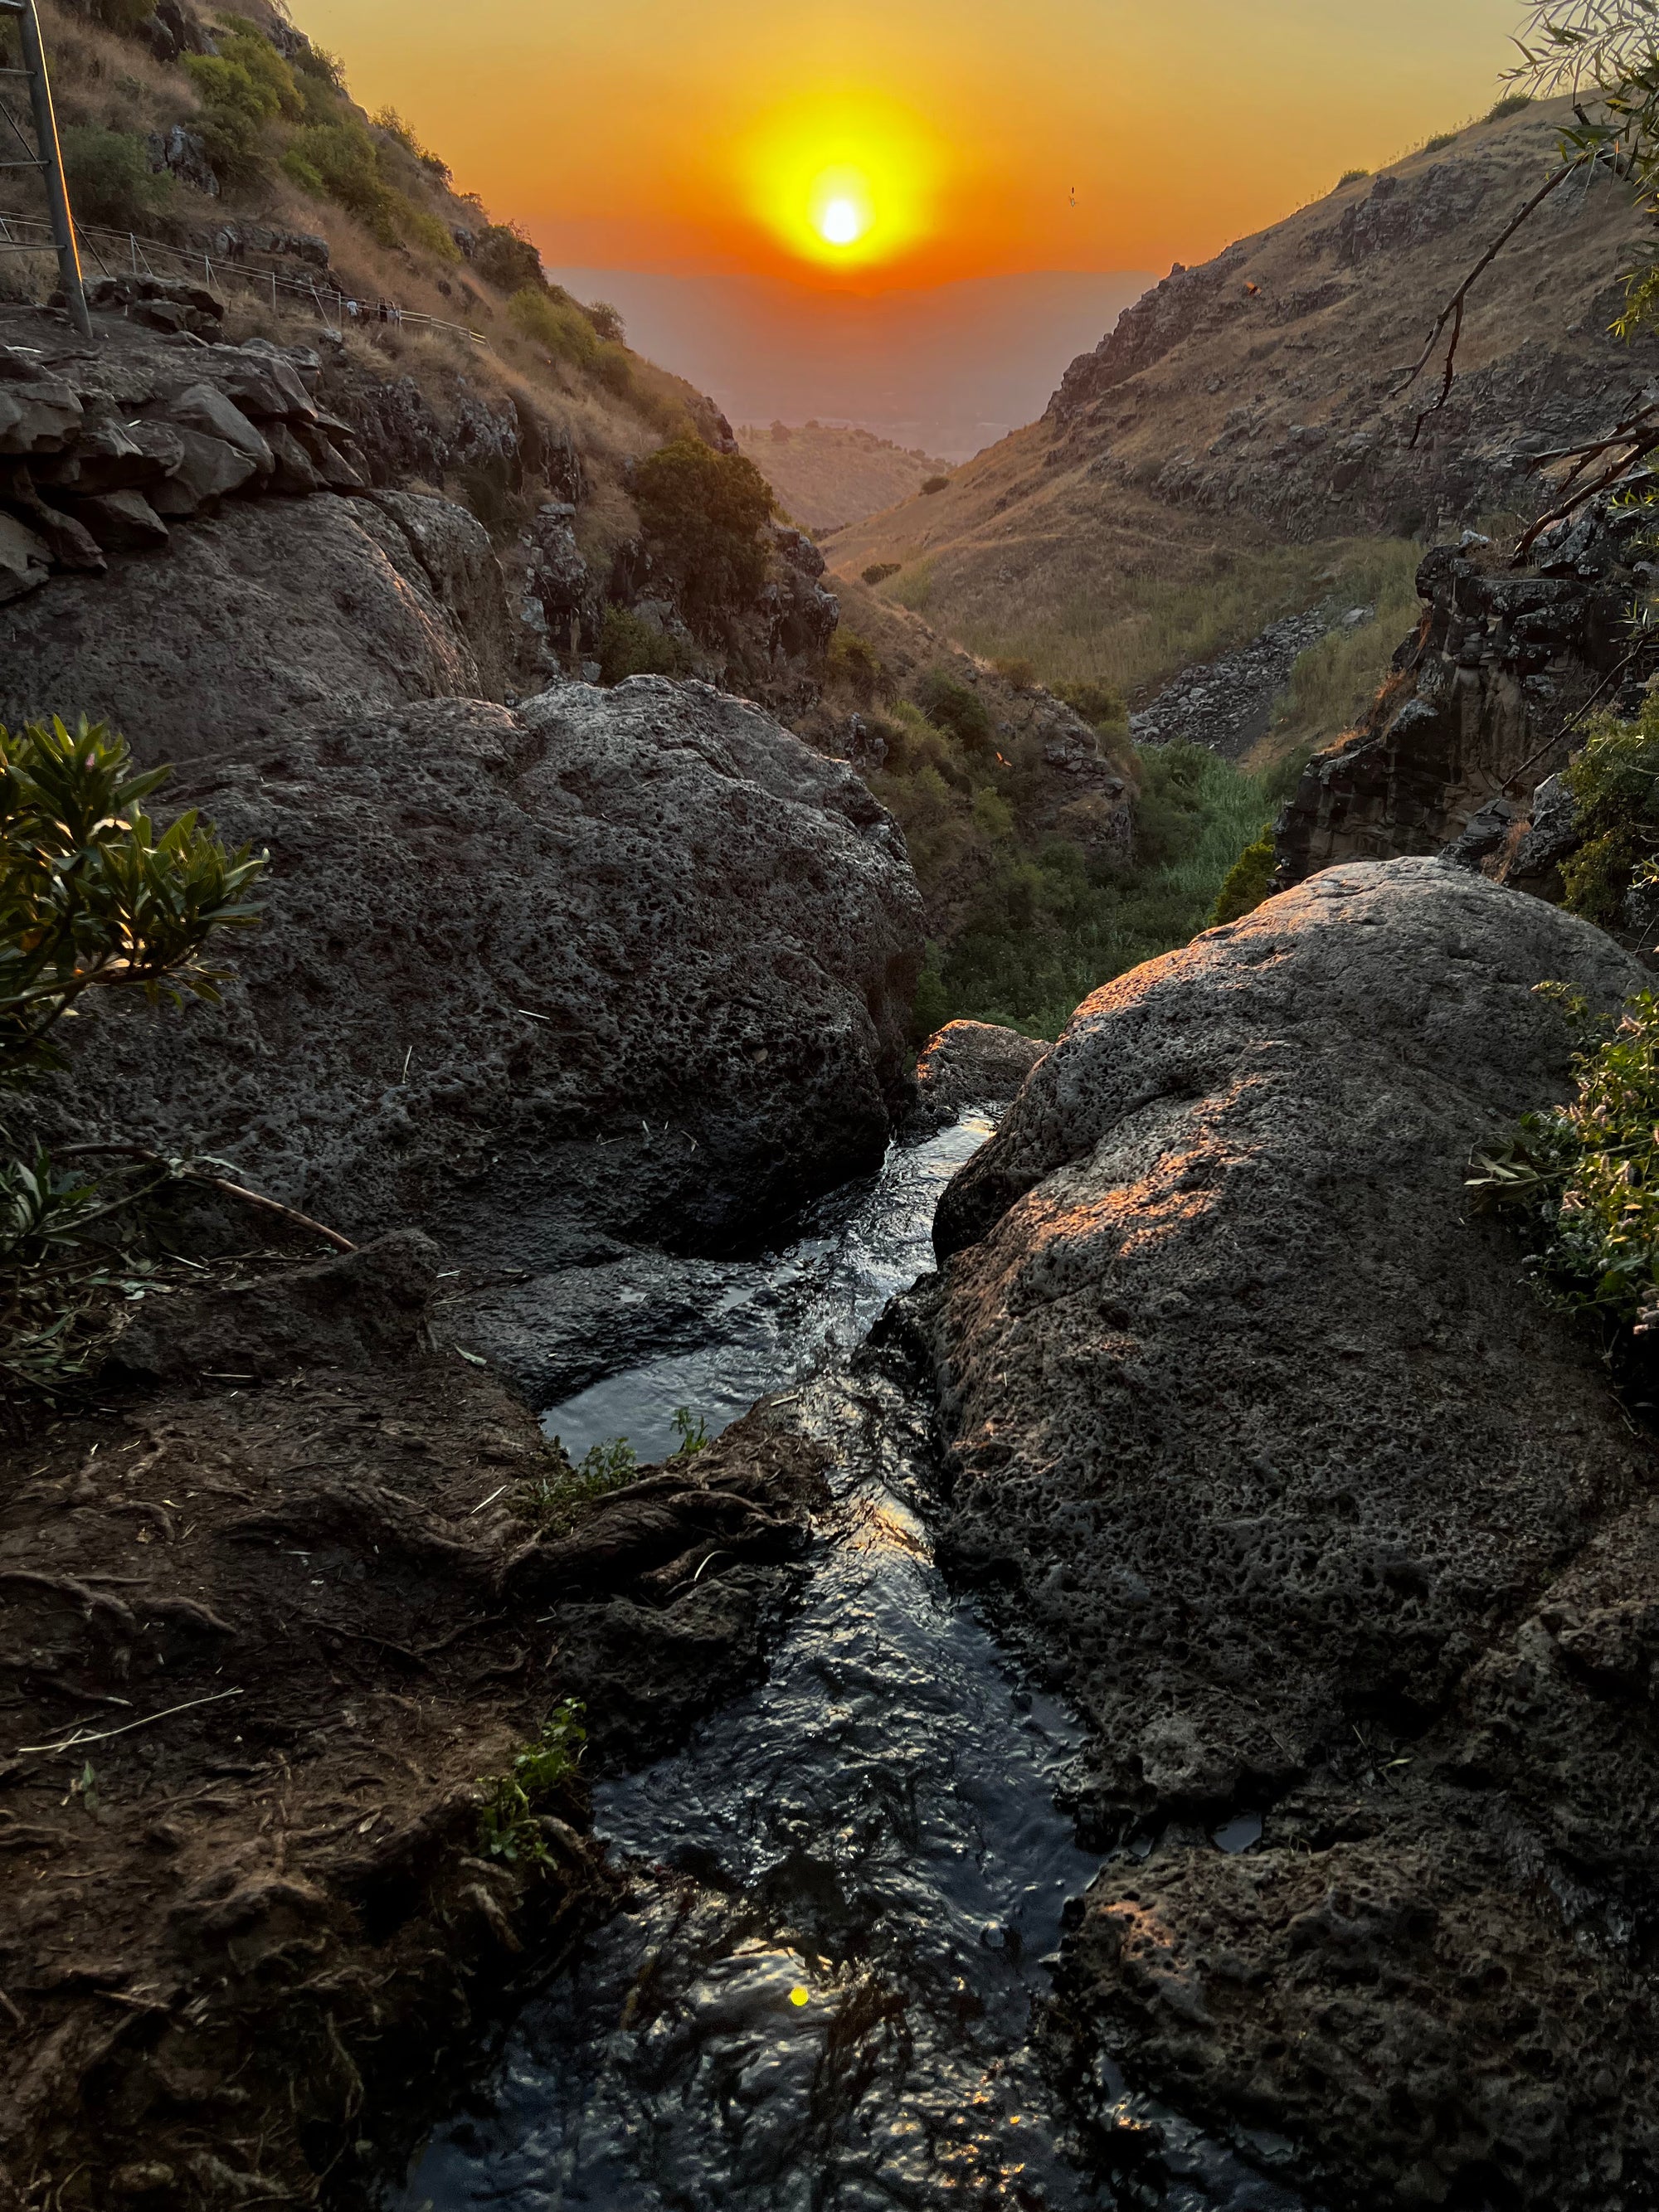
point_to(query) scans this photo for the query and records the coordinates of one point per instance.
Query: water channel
(845, 1892)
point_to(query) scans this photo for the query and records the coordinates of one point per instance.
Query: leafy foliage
(110, 179)
(879, 571)
(630, 645)
(507, 1825)
(1585, 1177)
(93, 897)
(931, 484)
(508, 259)
(1614, 779)
(955, 708)
(702, 513)
(853, 661)
(1246, 882)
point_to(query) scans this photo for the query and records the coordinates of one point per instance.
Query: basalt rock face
(1278, 1466)
(1485, 699)
(268, 613)
(632, 962)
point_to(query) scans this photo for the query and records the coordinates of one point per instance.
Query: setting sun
(847, 180)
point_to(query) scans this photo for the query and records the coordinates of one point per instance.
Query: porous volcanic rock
(1338, 1538)
(272, 611)
(973, 1064)
(631, 961)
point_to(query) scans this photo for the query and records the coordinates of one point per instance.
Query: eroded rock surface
(265, 615)
(633, 962)
(973, 1064)
(1318, 1515)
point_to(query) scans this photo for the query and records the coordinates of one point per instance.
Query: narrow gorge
(826, 1350)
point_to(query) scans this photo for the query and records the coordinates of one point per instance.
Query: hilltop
(1234, 438)
(826, 474)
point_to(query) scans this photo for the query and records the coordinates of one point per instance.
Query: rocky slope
(1340, 1541)
(1247, 401)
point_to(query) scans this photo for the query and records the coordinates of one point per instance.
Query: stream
(845, 1892)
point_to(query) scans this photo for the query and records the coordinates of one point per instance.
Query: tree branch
(188, 1173)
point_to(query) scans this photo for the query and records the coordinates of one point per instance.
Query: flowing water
(845, 1892)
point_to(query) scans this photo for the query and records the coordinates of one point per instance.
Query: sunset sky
(949, 135)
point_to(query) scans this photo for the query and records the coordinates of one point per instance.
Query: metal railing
(132, 255)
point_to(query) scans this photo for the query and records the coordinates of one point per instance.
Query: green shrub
(506, 259)
(1097, 703)
(852, 660)
(952, 706)
(1585, 1177)
(338, 161)
(1614, 781)
(1020, 675)
(237, 111)
(1351, 177)
(508, 1826)
(993, 815)
(93, 898)
(702, 513)
(1438, 145)
(1511, 103)
(931, 484)
(556, 324)
(879, 571)
(110, 179)
(629, 645)
(1246, 882)
(606, 321)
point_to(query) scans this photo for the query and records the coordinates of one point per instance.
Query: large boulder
(270, 611)
(1338, 1538)
(632, 962)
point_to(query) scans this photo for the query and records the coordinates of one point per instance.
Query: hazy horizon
(949, 368)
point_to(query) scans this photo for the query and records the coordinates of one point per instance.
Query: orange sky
(648, 135)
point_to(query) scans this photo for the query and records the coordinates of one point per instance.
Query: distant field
(825, 476)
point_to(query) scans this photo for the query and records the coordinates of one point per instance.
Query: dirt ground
(268, 1610)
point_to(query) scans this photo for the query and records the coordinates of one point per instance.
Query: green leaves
(508, 1827)
(92, 895)
(1586, 1175)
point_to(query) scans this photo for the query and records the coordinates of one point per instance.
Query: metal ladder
(44, 155)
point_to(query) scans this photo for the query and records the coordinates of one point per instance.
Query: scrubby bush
(1439, 145)
(554, 323)
(93, 898)
(507, 259)
(338, 161)
(1097, 703)
(852, 661)
(1019, 675)
(935, 483)
(952, 706)
(1246, 882)
(1614, 782)
(110, 179)
(629, 645)
(879, 571)
(1511, 103)
(244, 88)
(607, 321)
(1584, 1177)
(1351, 177)
(702, 513)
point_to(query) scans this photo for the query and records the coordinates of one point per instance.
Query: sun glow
(848, 182)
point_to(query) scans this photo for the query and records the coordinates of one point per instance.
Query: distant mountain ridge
(830, 474)
(1248, 403)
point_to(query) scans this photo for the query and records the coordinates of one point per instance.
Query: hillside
(1198, 475)
(826, 475)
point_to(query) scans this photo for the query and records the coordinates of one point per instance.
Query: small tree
(93, 898)
(703, 513)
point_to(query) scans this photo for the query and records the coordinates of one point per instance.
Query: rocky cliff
(1461, 749)
(1339, 1541)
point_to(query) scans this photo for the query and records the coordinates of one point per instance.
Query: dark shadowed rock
(1316, 1510)
(267, 612)
(632, 961)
